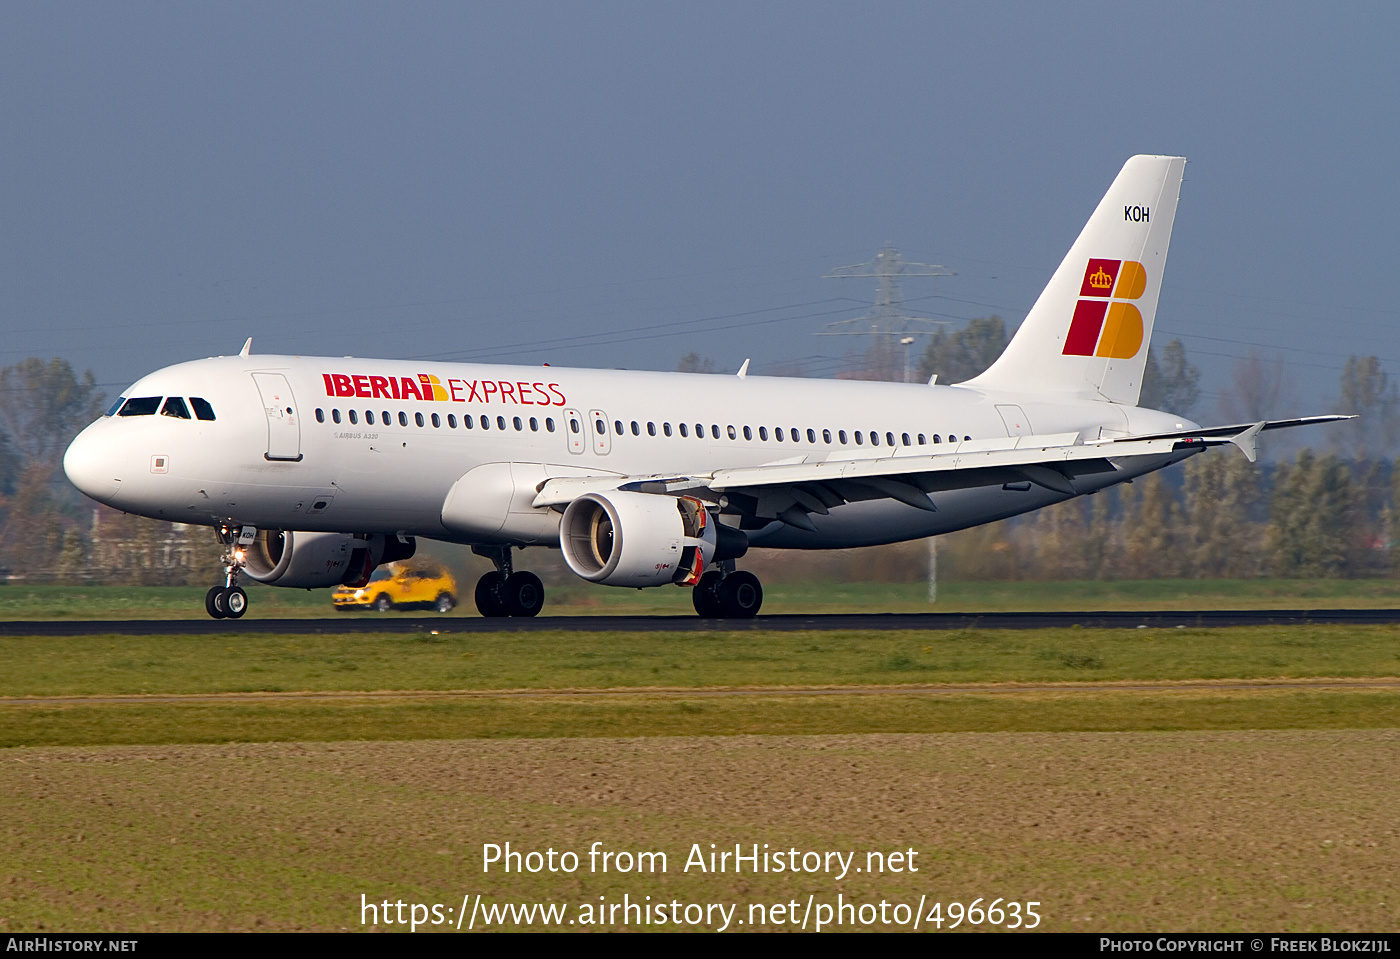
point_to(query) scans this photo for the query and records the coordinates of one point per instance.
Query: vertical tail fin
(1088, 334)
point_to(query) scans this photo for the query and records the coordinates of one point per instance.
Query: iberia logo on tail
(1103, 324)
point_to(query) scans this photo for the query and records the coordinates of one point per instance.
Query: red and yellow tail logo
(1103, 324)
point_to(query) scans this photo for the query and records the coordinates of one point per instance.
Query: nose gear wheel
(229, 601)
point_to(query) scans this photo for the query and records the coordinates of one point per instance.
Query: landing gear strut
(504, 592)
(229, 601)
(728, 594)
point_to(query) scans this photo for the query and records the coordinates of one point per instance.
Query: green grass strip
(98, 665)
(680, 715)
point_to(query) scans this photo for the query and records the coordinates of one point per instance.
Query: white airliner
(315, 470)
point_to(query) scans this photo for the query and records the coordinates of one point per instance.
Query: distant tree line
(1216, 517)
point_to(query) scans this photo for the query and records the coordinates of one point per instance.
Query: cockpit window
(112, 410)
(202, 409)
(140, 406)
(174, 406)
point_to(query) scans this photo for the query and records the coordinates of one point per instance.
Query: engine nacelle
(317, 560)
(643, 539)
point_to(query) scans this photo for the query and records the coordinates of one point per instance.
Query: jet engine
(622, 538)
(315, 560)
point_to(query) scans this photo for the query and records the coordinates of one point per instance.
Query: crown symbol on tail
(1101, 280)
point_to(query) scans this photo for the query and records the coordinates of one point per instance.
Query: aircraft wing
(789, 491)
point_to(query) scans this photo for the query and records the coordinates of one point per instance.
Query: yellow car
(401, 585)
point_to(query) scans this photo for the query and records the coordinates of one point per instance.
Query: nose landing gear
(504, 592)
(229, 601)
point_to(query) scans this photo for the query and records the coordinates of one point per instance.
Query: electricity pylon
(888, 317)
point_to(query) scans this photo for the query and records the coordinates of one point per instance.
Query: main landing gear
(731, 594)
(229, 601)
(504, 592)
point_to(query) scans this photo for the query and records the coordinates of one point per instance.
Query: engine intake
(316, 560)
(644, 539)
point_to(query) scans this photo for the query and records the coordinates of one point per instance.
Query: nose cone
(95, 462)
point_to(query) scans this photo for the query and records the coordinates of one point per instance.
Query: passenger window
(889, 438)
(922, 441)
(826, 437)
(202, 409)
(732, 434)
(549, 424)
(354, 417)
(651, 429)
(369, 417)
(937, 438)
(500, 422)
(515, 421)
(796, 434)
(335, 416)
(748, 433)
(388, 419)
(905, 438)
(857, 438)
(636, 430)
(699, 431)
(320, 416)
(778, 433)
(451, 421)
(418, 418)
(534, 425)
(573, 425)
(437, 422)
(403, 418)
(763, 433)
(685, 430)
(811, 436)
(486, 422)
(617, 428)
(112, 410)
(140, 406)
(952, 438)
(468, 422)
(666, 428)
(841, 435)
(714, 431)
(874, 438)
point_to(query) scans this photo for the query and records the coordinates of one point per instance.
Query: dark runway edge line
(877, 622)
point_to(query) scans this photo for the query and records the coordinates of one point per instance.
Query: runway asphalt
(373, 623)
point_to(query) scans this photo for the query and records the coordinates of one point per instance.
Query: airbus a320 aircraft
(314, 470)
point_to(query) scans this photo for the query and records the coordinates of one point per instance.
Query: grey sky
(617, 184)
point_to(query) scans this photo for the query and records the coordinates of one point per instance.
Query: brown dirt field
(1247, 831)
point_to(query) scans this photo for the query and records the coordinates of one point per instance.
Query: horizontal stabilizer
(1243, 435)
(1213, 431)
